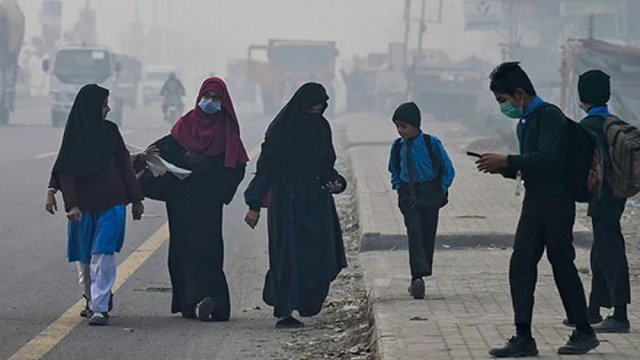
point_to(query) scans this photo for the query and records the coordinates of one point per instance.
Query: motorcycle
(172, 108)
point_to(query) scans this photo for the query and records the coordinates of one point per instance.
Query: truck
(129, 79)
(73, 67)
(11, 37)
(288, 65)
(621, 62)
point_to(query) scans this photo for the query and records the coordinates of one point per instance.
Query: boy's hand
(50, 203)
(74, 214)
(335, 187)
(492, 163)
(137, 210)
(252, 218)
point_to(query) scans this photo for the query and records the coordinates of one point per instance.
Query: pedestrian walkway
(467, 309)
(468, 306)
(483, 209)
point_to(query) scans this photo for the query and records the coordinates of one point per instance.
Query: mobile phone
(474, 154)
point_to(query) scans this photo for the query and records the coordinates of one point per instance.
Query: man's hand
(137, 210)
(252, 218)
(50, 203)
(492, 163)
(74, 214)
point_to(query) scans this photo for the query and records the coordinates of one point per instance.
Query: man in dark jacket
(548, 211)
(609, 266)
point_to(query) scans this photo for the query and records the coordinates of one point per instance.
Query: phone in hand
(474, 154)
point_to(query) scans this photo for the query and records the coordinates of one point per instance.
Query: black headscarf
(297, 140)
(89, 141)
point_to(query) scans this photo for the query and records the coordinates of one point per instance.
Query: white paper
(159, 166)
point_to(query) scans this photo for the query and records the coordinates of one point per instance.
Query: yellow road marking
(54, 333)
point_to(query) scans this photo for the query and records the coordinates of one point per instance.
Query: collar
(419, 136)
(537, 101)
(599, 110)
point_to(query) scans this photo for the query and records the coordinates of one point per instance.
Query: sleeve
(394, 169)
(552, 134)
(172, 152)
(134, 192)
(448, 170)
(137, 163)
(68, 187)
(53, 183)
(256, 191)
(233, 178)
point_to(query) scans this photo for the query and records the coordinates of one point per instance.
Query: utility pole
(422, 30)
(407, 30)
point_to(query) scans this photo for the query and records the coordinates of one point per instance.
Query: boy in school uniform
(609, 267)
(421, 173)
(548, 211)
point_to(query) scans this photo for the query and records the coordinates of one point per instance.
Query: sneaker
(612, 326)
(592, 321)
(416, 289)
(205, 309)
(289, 323)
(579, 343)
(99, 319)
(517, 346)
(86, 312)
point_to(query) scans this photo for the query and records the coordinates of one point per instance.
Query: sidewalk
(483, 209)
(468, 308)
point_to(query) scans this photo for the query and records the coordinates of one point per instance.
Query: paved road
(37, 285)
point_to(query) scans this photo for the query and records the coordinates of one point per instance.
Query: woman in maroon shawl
(206, 141)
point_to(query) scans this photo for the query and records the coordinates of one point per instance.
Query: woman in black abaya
(296, 171)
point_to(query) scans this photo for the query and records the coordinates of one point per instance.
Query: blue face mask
(511, 111)
(209, 106)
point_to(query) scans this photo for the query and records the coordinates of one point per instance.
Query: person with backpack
(609, 267)
(422, 173)
(548, 211)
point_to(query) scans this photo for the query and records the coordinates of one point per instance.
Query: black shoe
(205, 309)
(517, 346)
(191, 314)
(110, 301)
(86, 312)
(99, 319)
(289, 323)
(612, 326)
(416, 289)
(579, 343)
(592, 321)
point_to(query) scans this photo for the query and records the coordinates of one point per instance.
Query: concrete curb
(388, 242)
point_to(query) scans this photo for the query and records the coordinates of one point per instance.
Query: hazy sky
(222, 29)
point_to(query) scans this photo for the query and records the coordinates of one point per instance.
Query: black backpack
(584, 170)
(443, 198)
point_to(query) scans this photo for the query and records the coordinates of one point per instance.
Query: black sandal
(289, 323)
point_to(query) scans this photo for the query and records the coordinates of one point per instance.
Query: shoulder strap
(397, 147)
(433, 154)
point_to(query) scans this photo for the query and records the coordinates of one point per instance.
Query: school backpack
(584, 172)
(624, 151)
(443, 198)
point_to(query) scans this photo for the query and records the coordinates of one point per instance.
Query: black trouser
(609, 266)
(422, 225)
(546, 222)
